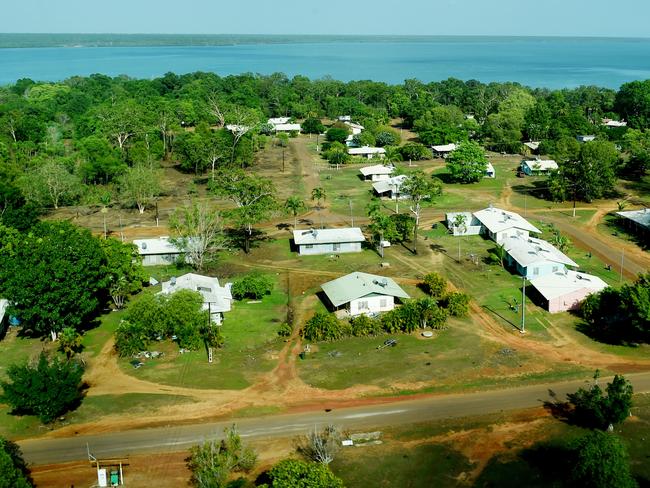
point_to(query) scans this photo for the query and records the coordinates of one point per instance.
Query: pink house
(565, 290)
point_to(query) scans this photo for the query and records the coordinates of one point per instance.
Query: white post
(523, 306)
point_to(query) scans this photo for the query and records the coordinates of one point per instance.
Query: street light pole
(523, 305)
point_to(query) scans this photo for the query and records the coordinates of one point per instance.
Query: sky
(607, 18)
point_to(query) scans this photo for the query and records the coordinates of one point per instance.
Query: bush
(457, 304)
(13, 469)
(337, 134)
(46, 389)
(312, 125)
(387, 137)
(323, 327)
(435, 285)
(253, 286)
(363, 326)
(285, 330)
(601, 461)
(130, 339)
(293, 473)
(595, 410)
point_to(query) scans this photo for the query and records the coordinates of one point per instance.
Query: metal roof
(377, 169)
(540, 164)
(390, 184)
(357, 285)
(641, 217)
(497, 220)
(278, 120)
(219, 297)
(328, 236)
(366, 150)
(558, 284)
(527, 251)
(444, 148)
(287, 127)
(160, 245)
(534, 145)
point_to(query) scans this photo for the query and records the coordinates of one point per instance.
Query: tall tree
(123, 269)
(467, 163)
(139, 186)
(13, 469)
(50, 185)
(198, 232)
(421, 189)
(294, 205)
(601, 461)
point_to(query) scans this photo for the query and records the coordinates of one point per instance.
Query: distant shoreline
(14, 40)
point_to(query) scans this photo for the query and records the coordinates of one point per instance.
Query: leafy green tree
(457, 304)
(337, 134)
(50, 185)
(198, 232)
(594, 409)
(414, 151)
(123, 269)
(139, 186)
(46, 389)
(213, 462)
(601, 461)
(421, 189)
(69, 341)
(183, 314)
(294, 205)
(387, 137)
(637, 143)
(633, 103)
(498, 255)
(253, 196)
(363, 326)
(435, 285)
(131, 338)
(55, 278)
(101, 162)
(365, 138)
(318, 194)
(336, 153)
(121, 121)
(430, 314)
(468, 163)
(312, 125)
(14, 210)
(253, 286)
(294, 473)
(323, 327)
(13, 469)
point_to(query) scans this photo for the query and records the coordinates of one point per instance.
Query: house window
(535, 271)
(554, 269)
(309, 246)
(362, 305)
(336, 247)
(383, 303)
(204, 288)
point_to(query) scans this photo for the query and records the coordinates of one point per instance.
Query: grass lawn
(251, 344)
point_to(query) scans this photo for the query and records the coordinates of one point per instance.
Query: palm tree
(294, 205)
(393, 155)
(318, 194)
(69, 341)
(560, 241)
(499, 254)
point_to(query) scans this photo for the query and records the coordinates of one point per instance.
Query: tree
(46, 389)
(498, 255)
(323, 327)
(51, 184)
(467, 163)
(337, 134)
(69, 341)
(183, 314)
(457, 304)
(131, 338)
(294, 205)
(318, 194)
(633, 103)
(215, 460)
(253, 286)
(320, 446)
(435, 285)
(637, 143)
(139, 186)
(420, 189)
(253, 196)
(595, 410)
(430, 314)
(241, 121)
(601, 461)
(13, 469)
(560, 241)
(198, 232)
(55, 278)
(414, 151)
(387, 137)
(123, 268)
(121, 121)
(14, 210)
(312, 125)
(293, 473)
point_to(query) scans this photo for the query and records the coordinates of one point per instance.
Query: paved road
(175, 438)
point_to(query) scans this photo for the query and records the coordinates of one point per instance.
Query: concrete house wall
(311, 249)
(499, 237)
(159, 259)
(371, 305)
(570, 301)
(537, 269)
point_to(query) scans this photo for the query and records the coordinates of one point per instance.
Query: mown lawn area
(251, 344)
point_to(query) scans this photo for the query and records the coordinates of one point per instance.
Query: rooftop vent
(144, 245)
(173, 280)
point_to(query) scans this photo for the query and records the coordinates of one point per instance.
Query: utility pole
(523, 305)
(351, 216)
(622, 259)
(283, 158)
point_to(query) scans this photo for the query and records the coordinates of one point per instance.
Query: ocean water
(536, 62)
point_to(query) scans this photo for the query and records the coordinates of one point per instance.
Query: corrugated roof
(641, 217)
(541, 164)
(555, 285)
(377, 169)
(527, 251)
(534, 145)
(497, 220)
(328, 236)
(444, 148)
(355, 151)
(278, 120)
(389, 184)
(219, 297)
(356, 285)
(160, 245)
(287, 127)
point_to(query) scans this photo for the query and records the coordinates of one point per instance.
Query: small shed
(327, 241)
(471, 226)
(443, 150)
(586, 137)
(363, 293)
(490, 172)
(637, 220)
(287, 128)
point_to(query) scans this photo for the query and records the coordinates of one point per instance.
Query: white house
(287, 128)
(158, 251)
(471, 226)
(499, 224)
(278, 121)
(533, 257)
(362, 293)
(390, 188)
(586, 137)
(377, 172)
(532, 145)
(565, 290)
(344, 118)
(367, 152)
(490, 172)
(637, 220)
(443, 150)
(614, 123)
(354, 127)
(216, 299)
(538, 166)
(327, 241)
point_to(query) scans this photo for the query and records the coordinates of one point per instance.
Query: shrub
(13, 469)
(337, 134)
(457, 304)
(130, 339)
(285, 330)
(323, 327)
(293, 473)
(253, 286)
(363, 325)
(595, 410)
(47, 389)
(435, 285)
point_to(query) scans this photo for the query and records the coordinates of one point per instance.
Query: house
(216, 299)
(278, 121)
(614, 123)
(344, 118)
(287, 128)
(532, 145)
(238, 129)
(533, 258)
(158, 251)
(327, 241)
(565, 290)
(471, 226)
(538, 166)
(490, 172)
(355, 128)
(377, 172)
(362, 293)
(499, 224)
(637, 220)
(390, 188)
(367, 152)
(585, 138)
(443, 150)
